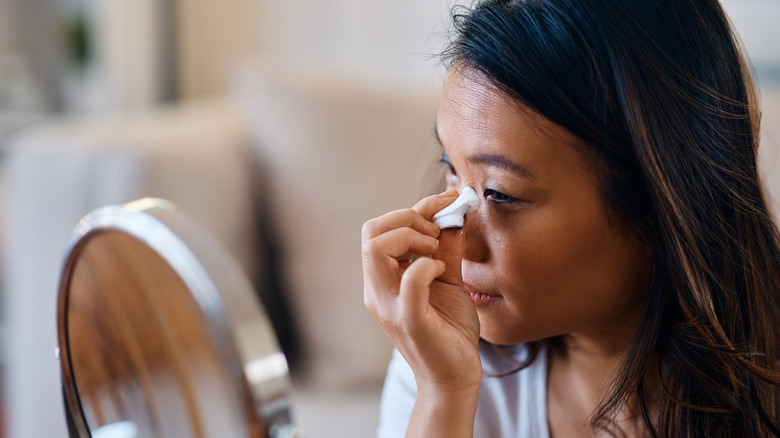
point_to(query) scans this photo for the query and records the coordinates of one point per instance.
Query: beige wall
(388, 41)
(213, 36)
(384, 41)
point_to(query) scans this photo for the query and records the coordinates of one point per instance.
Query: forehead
(472, 106)
(475, 117)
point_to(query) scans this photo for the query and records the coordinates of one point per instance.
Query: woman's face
(543, 255)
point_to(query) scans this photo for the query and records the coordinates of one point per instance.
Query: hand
(422, 305)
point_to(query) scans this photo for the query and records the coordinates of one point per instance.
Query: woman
(621, 275)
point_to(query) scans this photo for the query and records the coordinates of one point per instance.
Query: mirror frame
(239, 328)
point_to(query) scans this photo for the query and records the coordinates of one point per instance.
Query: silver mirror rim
(208, 270)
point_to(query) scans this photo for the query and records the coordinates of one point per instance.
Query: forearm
(439, 413)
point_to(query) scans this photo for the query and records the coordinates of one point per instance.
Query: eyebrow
(494, 160)
(501, 162)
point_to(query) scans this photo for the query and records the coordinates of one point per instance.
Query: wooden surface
(140, 349)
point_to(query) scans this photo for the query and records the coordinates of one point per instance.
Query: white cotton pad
(452, 215)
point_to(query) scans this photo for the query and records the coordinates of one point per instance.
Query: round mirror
(162, 335)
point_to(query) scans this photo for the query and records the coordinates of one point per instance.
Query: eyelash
(498, 197)
(444, 159)
(489, 194)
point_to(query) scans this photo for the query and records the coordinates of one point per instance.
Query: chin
(498, 334)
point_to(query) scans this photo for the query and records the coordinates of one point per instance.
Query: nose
(475, 246)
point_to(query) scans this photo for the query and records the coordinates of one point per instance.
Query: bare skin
(541, 256)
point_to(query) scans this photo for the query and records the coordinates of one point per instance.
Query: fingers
(417, 218)
(387, 255)
(405, 218)
(433, 204)
(450, 252)
(450, 249)
(415, 286)
(390, 241)
(402, 241)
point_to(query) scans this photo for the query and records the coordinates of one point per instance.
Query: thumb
(451, 253)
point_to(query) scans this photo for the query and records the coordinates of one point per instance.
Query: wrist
(439, 394)
(444, 411)
(464, 381)
(461, 384)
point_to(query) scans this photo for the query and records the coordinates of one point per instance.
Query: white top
(512, 406)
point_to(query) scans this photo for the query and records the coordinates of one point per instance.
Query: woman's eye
(450, 171)
(450, 176)
(444, 159)
(498, 197)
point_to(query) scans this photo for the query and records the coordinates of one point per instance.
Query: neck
(581, 370)
(590, 365)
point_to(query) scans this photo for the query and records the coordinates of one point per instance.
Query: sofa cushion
(337, 153)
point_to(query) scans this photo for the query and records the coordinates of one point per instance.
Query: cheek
(538, 253)
(559, 273)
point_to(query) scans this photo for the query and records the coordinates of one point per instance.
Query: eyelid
(504, 198)
(445, 159)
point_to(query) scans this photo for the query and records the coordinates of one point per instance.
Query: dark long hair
(661, 95)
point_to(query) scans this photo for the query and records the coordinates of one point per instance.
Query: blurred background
(249, 114)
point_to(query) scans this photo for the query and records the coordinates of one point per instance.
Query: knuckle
(367, 248)
(368, 229)
(410, 280)
(406, 232)
(370, 250)
(414, 282)
(424, 239)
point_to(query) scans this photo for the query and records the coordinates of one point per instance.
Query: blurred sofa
(284, 172)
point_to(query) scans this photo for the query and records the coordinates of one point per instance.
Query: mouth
(481, 298)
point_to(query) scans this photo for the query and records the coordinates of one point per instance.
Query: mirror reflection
(161, 334)
(139, 345)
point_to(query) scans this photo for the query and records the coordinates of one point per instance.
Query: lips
(480, 297)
